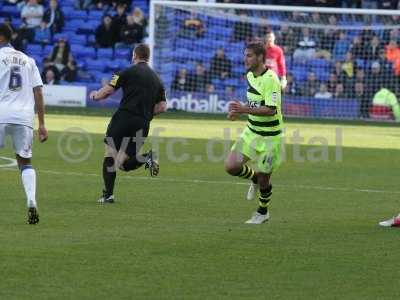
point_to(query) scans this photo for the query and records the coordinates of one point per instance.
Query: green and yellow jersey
(265, 90)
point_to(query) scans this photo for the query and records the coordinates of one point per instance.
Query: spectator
(357, 48)
(374, 80)
(243, 29)
(69, 73)
(339, 71)
(43, 34)
(105, 37)
(361, 96)
(311, 86)
(373, 48)
(181, 81)
(61, 54)
(342, 46)
(131, 32)
(140, 21)
(210, 88)
(332, 82)
(287, 39)
(50, 78)
(230, 92)
(291, 88)
(49, 65)
(31, 15)
(192, 27)
(221, 66)
(339, 91)
(199, 79)
(323, 92)
(119, 21)
(306, 46)
(348, 67)
(54, 17)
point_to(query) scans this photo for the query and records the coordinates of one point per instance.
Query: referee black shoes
(33, 216)
(152, 164)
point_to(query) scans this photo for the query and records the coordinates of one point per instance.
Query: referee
(143, 97)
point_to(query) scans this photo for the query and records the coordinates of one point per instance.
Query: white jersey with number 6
(18, 76)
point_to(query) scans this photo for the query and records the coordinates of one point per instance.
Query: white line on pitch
(191, 181)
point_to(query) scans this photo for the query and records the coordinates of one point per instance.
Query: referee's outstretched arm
(101, 94)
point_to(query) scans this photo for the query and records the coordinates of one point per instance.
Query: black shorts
(126, 131)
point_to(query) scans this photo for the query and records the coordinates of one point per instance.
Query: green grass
(181, 236)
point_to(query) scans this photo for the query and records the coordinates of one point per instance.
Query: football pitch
(182, 235)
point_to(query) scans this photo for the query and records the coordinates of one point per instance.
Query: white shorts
(22, 138)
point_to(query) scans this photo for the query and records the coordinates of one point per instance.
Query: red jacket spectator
(275, 59)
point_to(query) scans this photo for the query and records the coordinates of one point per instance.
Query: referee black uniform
(143, 97)
(142, 90)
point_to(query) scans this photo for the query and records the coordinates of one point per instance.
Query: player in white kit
(20, 94)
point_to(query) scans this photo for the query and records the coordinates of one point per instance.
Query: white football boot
(258, 218)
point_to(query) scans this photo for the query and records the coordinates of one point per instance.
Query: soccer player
(20, 94)
(393, 222)
(260, 142)
(143, 97)
(275, 59)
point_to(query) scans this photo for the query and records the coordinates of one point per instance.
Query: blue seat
(112, 65)
(99, 76)
(105, 53)
(95, 65)
(123, 53)
(47, 50)
(33, 49)
(80, 51)
(95, 15)
(77, 15)
(73, 25)
(77, 39)
(10, 11)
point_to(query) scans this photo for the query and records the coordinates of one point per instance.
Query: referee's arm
(103, 93)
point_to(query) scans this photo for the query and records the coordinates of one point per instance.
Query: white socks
(28, 176)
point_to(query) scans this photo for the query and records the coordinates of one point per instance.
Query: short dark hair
(257, 47)
(142, 51)
(5, 31)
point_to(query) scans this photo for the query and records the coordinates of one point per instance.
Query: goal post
(340, 63)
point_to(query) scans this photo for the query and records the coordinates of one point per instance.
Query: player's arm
(239, 108)
(39, 107)
(103, 93)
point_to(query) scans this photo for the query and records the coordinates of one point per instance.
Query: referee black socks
(109, 175)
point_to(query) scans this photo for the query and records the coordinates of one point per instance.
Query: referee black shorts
(127, 131)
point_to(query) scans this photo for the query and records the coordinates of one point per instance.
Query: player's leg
(393, 222)
(22, 137)
(269, 160)
(235, 165)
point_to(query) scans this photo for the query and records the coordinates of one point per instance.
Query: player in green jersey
(260, 142)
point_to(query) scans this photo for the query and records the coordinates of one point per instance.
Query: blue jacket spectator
(342, 46)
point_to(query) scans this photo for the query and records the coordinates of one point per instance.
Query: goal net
(340, 63)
